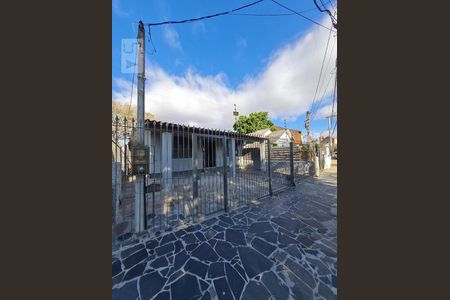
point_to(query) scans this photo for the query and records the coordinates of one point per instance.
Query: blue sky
(201, 69)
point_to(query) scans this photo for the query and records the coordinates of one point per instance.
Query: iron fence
(193, 173)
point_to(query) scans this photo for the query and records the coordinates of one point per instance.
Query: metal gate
(209, 161)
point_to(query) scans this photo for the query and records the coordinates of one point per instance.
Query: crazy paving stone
(167, 238)
(304, 240)
(203, 285)
(222, 289)
(127, 252)
(255, 290)
(178, 246)
(180, 233)
(301, 272)
(325, 279)
(159, 262)
(334, 280)
(254, 263)
(220, 236)
(262, 246)
(326, 292)
(118, 278)
(128, 291)
(223, 224)
(135, 271)
(293, 251)
(150, 284)
(206, 296)
(185, 288)
(116, 268)
(191, 247)
(212, 242)
(196, 267)
(209, 222)
(275, 286)
(290, 225)
(193, 228)
(200, 236)
(235, 236)
(135, 258)
(162, 250)
(180, 259)
(241, 271)
(260, 227)
(175, 276)
(210, 233)
(189, 238)
(279, 255)
(235, 281)
(270, 236)
(216, 270)
(218, 228)
(225, 250)
(204, 252)
(299, 289)
(285, 239)
(321, 268)
(152, 244)
(164, 272)
(226, 219)
(162, 296)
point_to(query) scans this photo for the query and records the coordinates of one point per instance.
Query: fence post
(225, 175)
(291, 158)
(194, 175)
(269, 162)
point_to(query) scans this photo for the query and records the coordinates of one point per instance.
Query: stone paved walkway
(282, 247)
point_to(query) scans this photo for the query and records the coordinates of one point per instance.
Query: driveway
(282, 247)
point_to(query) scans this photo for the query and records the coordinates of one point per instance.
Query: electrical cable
(321, 69)
(204, 17)
(325, 71)
(298, 13)
(333, 20)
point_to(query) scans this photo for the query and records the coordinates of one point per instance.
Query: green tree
(255, 121)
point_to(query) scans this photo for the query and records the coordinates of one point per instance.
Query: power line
(321, 99)
(298, 13)
(325, 71)
(333, 20)
(272, 15)
(204, 17)
(321, 69)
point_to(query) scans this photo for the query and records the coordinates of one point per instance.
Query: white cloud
(171, 37)
(325, 111)
(284, 88)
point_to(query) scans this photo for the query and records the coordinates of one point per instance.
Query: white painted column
(166, 159)
(262, 155)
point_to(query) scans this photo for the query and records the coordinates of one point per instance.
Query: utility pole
(329, 130)
(139, 184)
(308, 139)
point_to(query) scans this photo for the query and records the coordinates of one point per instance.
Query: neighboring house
(295, 134)
(281, 136)
(326, 141)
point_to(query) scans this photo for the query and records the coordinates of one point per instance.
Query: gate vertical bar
(225, 177)
(269, 168)
(291, 158)
(194, 175)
